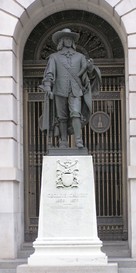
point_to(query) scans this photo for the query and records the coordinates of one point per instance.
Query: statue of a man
(66, 80)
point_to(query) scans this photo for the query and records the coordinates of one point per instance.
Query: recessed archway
(100, 41)
(39, 10)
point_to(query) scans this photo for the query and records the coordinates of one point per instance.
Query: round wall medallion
(100, 122)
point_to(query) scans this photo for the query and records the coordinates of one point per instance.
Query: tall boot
(76, 123)
(63, 134)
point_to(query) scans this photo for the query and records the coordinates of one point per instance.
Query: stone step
(115, 249)
(124, 262)
(8, 270)
(127, 270)
(125, 265)
(25, 251)
(9, 266)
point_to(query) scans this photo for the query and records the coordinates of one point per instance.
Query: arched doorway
(99, 40)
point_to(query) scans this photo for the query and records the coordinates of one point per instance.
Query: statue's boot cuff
(79, 143)
(63, 144)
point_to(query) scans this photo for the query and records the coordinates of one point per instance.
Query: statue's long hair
(61, 44)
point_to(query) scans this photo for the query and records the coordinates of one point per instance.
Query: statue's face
(67, 42)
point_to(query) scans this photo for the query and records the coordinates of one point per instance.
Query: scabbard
(44, 118)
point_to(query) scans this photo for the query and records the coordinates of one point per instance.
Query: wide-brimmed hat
(66, 32)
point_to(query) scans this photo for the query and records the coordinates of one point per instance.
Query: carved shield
(67, 179)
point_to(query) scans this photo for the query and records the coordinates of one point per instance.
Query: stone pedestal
(67, 234)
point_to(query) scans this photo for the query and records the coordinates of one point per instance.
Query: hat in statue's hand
(66, 32)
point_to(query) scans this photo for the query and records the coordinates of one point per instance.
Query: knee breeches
(68, 107)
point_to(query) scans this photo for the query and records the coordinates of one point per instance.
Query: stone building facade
(18, 19)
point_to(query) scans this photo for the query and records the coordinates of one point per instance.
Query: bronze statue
(67, 82)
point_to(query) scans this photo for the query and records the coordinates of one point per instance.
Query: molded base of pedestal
(112, 268)
(67, 252)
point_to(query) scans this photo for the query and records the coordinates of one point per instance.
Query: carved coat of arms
(67, 174)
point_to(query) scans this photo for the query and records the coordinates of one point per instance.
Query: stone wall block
(125, 6)
(113, 2)
(107, 6)
(132, 61)
(23, 19)
(129, 21)
(8, 86)
(70, 3)
(93, 2)
(8, 23)
(11, 219)
(7, 235)
(133, 218)
(8, 64)
(5, 43)
(133, 127)
(132, 40)
(131, 172)
(132, 83)
(8, 108)
(25, 3)
(133, 151)
(11, 174)
(11, 215)
(37, 5)
(8, 152)
(9, 197)
(132, 105)
(12, 7)
(8, 129)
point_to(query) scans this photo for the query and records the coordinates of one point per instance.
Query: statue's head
(64, 33)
